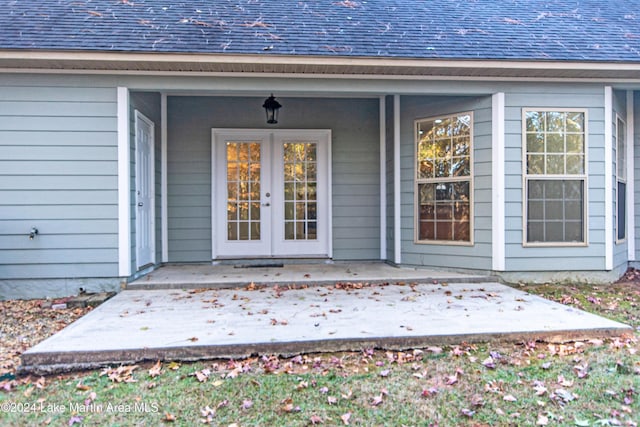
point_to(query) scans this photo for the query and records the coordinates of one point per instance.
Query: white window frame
(559, 177)
(621, 124)
(417, 182)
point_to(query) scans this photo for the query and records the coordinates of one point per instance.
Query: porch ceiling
(159, 63)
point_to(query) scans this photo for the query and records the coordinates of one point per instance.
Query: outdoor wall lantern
(271, 106)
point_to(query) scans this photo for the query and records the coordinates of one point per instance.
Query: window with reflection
(555, 176)
(444, 179)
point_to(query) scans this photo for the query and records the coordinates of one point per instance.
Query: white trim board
(631, 211)
(164, 205)
(383, 178)
(498, 181)
(608, 178)
(397, 213)
(124, 184)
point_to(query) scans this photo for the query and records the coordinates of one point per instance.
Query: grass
(494, 384)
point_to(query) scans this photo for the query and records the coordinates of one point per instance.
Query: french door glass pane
(300, 184)
(243, 191)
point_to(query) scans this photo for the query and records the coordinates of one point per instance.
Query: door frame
(323, 136)
(139, 117)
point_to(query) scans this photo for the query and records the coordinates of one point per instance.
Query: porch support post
(631, 211)
(124, 184)
(164, 206)
(397, 215)
(608, 179)
(498, 182)
(383, 178)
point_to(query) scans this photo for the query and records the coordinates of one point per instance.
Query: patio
(398, 312)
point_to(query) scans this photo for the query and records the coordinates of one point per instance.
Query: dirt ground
(24, 323)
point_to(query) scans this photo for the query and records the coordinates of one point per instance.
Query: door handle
(266, 204)
(140, 204)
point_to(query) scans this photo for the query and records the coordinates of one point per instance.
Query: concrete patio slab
(189, 276)
(139, 325)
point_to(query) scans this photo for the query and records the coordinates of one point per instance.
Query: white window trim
(624, 180)
(417, 182)
(583, 177)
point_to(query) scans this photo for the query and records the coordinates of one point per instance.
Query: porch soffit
(177, 64)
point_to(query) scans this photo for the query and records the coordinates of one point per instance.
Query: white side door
(145, 194)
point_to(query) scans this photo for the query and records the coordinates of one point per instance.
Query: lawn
(593, 383)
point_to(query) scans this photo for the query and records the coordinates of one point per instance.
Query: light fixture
(271, 106)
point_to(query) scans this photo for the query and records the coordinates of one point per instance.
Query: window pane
(461, 166)
(575, 122)
(555, 164)
(575, 164)
(535, 142)
(555, 143)
(575, 143)
(535, 121)
(443, 168)
(621, 151)
(444, 150)
(622, 210)
(555, 211)
(535, 164)
(425, 169)
(555, 121)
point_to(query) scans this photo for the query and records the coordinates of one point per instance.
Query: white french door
(145, 194)
(271, 193)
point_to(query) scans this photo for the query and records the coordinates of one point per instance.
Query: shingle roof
(576, 30)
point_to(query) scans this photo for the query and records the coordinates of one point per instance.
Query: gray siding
(389, 163)
(355, 167)
(147, 103)
(636, 162)
(477, 256)
(620, 257)
(58, 173)
(590, 257)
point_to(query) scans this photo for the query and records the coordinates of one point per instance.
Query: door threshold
(270, 262)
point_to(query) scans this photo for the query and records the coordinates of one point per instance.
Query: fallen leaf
(345, 418)
(193, 339)
(542, 420)
(467, 412)
(155, 369)
(247, 404)
(315, 419)
(428, 392)
(509, 398)
(377, 400)
(288, 407)
(169, 418)
(332, 400)
(489, 363)
(385, 373)
(202, 375)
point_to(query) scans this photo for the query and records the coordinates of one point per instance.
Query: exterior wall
(355, 167)
(636, 162)
(58, 173)
(389, 176)
(147, 103)
(477, 256)
(555, 258)
(620, 256)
